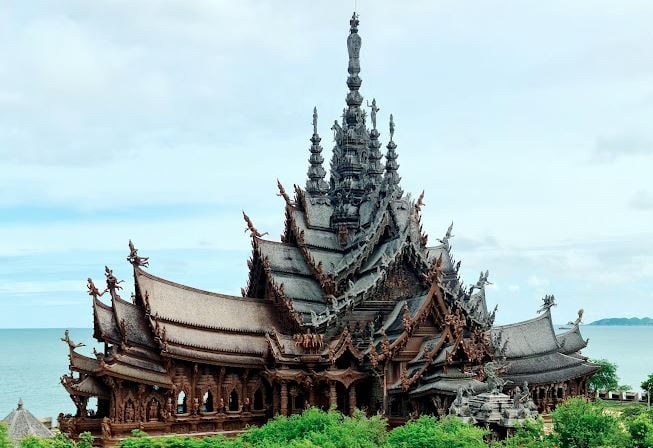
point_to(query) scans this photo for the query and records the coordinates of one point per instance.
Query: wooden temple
(353, 308)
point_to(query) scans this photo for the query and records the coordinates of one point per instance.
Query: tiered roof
(353, 273)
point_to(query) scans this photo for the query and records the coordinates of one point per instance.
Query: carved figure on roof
(392, 128)
(92, 289)
(483, 280)
(373, 110)
(112, 282)
(134, 259)
(337, 132)
(420, 202)
(579, 319)
(447, 236)
(250, 227)
(547, 303)
(282, 193)
(71, 344)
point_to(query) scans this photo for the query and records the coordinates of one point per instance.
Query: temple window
(233, 400)
(92, 407)
(207, 402)
(181, 403)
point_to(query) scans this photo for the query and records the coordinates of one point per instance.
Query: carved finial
(392, 128)
(547, 303)
(20, 405)
(420, 202)
(282, 193)
(250, 227)
(134, 259)
(92, 290)
(315, 121)
(112, 282)
(67, 340)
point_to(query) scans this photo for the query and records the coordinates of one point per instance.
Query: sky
(527, 124)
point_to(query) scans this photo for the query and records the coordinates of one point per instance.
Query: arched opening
(207, 402)
(233, 401)
(92, 407)
(343, 398)
(182, 407)
(153, 409)
(259, 403)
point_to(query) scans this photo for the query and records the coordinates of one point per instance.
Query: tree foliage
(580, 424)
(428, 432)
(606, 378)
(647, 384)
(4, 436)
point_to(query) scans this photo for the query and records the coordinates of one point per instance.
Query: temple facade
(352, 308)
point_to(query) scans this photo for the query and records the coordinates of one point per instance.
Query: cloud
(608, 149)
(642, 200)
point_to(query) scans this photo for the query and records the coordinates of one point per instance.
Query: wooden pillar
(352, 398)
(284, 398)
(333, 397)
(275, 400)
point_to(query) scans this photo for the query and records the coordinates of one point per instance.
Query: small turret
(392, 178)
(316, 187)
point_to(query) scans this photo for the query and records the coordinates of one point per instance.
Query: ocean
(31, 362)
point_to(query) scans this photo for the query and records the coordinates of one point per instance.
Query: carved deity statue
(373, 110)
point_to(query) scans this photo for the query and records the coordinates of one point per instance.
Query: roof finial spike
(314, 120)
(20, 404)
(392, 128)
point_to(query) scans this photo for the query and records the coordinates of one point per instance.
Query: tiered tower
(316, 187)
(349, 163)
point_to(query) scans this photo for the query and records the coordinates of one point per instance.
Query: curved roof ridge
(139, 271)
(546, 314)
(174, 321)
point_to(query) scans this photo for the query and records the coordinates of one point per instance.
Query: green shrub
(530, 435)
(428, 432)
(318, 428)
(5, 442)
(641, 430)
(580, 424)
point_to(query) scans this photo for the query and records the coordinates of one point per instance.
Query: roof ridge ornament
(250, 227)
(134, 259)
(548, 302)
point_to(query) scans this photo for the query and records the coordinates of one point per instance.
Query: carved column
(275, 400)
(284, 398)
(333, 397)
(352, 398)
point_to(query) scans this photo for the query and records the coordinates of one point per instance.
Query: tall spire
(316, 187)
(391, 166)
(349, 163)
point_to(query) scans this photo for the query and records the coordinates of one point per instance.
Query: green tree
(428, 432)
(641, 430)
(5, 442)
(580, 424)
(530, 435)
(648, 383)
(606, 378)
